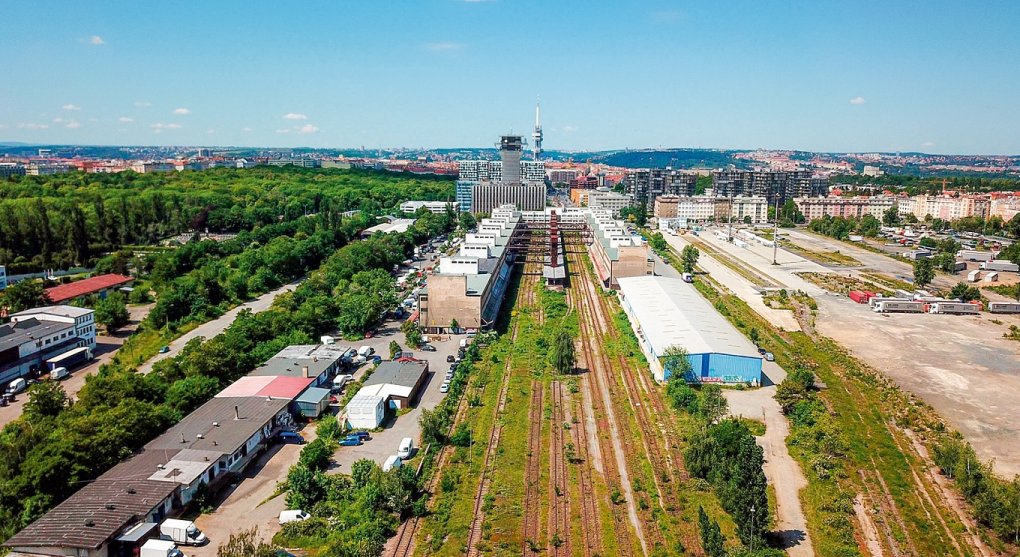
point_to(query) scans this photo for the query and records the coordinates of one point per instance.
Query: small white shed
(366, 411)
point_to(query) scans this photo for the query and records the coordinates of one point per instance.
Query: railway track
(589, 511)
(559, 508)
(614, 465)
(532, 473)
(527, 286)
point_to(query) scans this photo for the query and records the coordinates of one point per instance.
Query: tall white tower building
(536, 147)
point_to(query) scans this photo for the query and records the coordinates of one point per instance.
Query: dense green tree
(316, 455)
(891, 216)
(412, 333)
(712, 540)
(45, 399)
(112, 312)
(394, 349)
(924, 272)
(965, 292)
(689, 258)
(246, 543)
(676, 361)
(712, 405)
(26, 294)
(563, 354)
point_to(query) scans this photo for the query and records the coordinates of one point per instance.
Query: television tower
(536, 146)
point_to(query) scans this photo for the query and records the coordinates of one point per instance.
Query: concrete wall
(633, 262)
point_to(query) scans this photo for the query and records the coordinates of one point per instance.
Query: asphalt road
(212, 328)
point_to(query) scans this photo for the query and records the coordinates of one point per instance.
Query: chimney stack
(305, 371)
(237, 413)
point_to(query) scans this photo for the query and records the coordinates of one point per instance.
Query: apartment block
(845, 207)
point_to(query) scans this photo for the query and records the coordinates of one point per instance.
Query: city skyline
(823, 77)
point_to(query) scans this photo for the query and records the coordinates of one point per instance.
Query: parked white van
(59, 373)
(406, 448)
(16, 386)
(392, 461)
(294, 515)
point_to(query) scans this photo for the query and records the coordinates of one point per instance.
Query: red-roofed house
(100, 285)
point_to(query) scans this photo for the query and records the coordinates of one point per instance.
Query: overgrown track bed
(475, 531)
(558, 497)
(532, 475)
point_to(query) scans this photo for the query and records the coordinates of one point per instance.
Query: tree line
(70, 219)
(58, 445)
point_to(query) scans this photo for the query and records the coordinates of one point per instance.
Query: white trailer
(975, 255)
(898, 306)
(1000, 265)
(1004, 307)
(183, 532)
(992, 277)
(954, 308)
(974, 276)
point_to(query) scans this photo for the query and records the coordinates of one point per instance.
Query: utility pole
(775, 235)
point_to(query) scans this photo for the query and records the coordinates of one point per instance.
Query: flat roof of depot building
(266, 385)
(292, 367)
(13, 335)
(404, 374)
(231, 431)
(670, 311)
(61, 310)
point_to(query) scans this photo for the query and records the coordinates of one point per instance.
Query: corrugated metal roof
(671, 311)
(404, 374)
(13, 335)
(72, 290)
(313, 395)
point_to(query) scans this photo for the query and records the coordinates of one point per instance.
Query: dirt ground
(961, 365)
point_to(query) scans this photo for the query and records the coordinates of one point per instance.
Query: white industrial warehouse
(666, 311)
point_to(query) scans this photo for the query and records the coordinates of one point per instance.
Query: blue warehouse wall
(722, 368)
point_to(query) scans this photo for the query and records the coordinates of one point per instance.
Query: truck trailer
(975, 255)
(954, 308)
(1004, 307)
(974, 276)
(160, 548)
(70, 358)
(898, 306)
(1000, 265)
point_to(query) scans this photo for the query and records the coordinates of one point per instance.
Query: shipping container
(992, 277)
(1000, 265)
(955, 308)
(959, 266)
(974, 276)
(891, 306)
(859, 296)
(1004, 307)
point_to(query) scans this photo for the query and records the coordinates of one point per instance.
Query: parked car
(376, 360)
(453, 367)
(769, 357)
(392, 461)
(363, 435)
(428, 348)
(445, 387)
(164, 350)
(406, 447)
(17, 386)
(290, 437)
(449, 376)
(450, 359)
(293, 515)
(350, 441)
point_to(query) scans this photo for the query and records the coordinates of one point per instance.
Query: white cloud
(73, 125)
(160, 126)
(283, 130)
(443, 47)
(307, 128)
(96, 40)
(210, 131)
(857, 101)
(125, 119)
(569, 129)
(3, 126)
(246, 130)
(32, 126)
(182, 111)
(143, 104)
(71, 107)
(58, 120)
(294, 116)
(928, 144)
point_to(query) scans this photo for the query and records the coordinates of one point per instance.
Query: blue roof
(313, 395)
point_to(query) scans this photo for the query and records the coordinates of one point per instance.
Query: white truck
(183, 532)
(366, 351)
(1000, 265)
(160, 548)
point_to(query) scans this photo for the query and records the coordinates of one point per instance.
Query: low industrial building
(468, 288)
(616, 253)
(35, 335)
(395, 226)
(438, 207)
(667, 312)
(399, 382)
(318, 362)
(365, 411)
(80, 289)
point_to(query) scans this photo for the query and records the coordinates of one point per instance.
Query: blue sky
(939, 77)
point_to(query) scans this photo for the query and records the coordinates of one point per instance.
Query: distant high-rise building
(777, 187)
(536, 136)
(8, 169)
(646, 184)
(510, 147)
